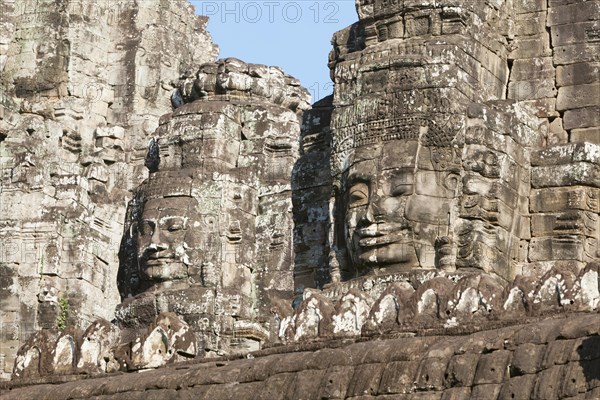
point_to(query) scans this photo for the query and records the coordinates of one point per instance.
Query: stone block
(540, 68)
(211, 376)
(461, 370)
(526, 6)
(486, 392)
(258, 369)
(576, 53)
(531, 47)
(335, 382)
(577, 74)
(556, 248)
(349, 356)
(407, 350)
(582, 32)
(558, 353)
(530, 23)
(519, 387)
(366, 380)
(568, 222)
(548, 383)
(398, 377)
(295, 362)
(565, 198)
(531, 89)
(526, 359)
(570, 97)
(566, 154)
(430, 375)
(306, 385)
(582, 118)
(590, 135)
(574, 382)
(579, 173)
(276, 386)
(226, 392)
(572, 13)
(457, 393)
(492, 367)
(375, 352)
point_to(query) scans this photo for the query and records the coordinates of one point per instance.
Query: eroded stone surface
(435, 156)
(209, 233)
(446, 301)
(104, 348)
(444, 166)
(510, 362)
(449, 184)
(83, 86)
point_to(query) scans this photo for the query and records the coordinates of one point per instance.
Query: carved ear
(451, 181)
(133, 229)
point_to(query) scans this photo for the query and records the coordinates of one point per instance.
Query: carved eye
(175, 225)
(470, 201)
(400, 190)
(491, 159)
(146, 228)
(358, 195)
(401, 184)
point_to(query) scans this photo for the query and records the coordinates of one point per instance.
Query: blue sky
(294, 35)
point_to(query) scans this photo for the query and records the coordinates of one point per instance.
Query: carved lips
(374, 236)
(383, 244)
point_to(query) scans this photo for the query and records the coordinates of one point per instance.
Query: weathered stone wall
(450, 182)
(425, 300)
(407, 71)
(83, 85)
(312, 191)
(554, 66)
(222, 166)
(553, 359)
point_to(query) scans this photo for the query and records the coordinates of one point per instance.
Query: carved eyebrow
(357, 177)
(404, 175)
(171, 218)
(359, 186)
(400, 170)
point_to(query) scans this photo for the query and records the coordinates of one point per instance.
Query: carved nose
(374, 209)
(156, 242)
(158, 246)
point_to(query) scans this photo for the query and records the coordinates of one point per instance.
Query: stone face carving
(164, 238)
(312, 190)
(404, 174)
(449, 183)
(80, 94)
(445, 168)
(209, 233)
